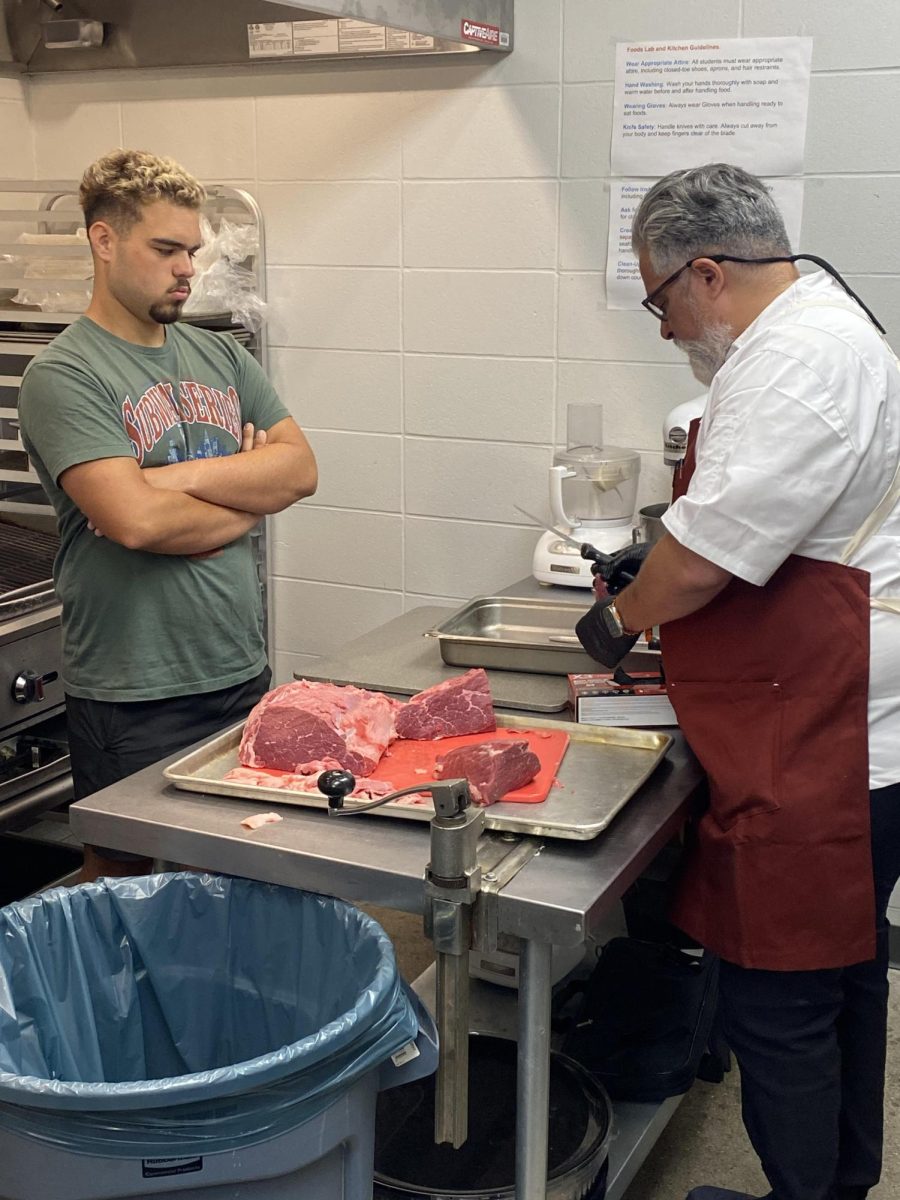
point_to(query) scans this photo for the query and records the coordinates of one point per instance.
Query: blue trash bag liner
(188, 1013)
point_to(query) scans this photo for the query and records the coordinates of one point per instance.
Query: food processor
(593, 491)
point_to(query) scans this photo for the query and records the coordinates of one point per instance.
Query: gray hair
(712, 209)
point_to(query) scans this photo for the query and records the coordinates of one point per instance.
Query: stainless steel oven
(35, 781)
(34, 760)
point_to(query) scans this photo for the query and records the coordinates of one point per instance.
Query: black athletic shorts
(109, 740)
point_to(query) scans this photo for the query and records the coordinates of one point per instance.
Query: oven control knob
(28, 686)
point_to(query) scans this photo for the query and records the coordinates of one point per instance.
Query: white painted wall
(16, 141)
(436, 245)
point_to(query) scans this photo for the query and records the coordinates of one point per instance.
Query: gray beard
(707, 353)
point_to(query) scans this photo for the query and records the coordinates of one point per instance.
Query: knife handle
(592, 554)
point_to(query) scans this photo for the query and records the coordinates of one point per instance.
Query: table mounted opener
(452, 884)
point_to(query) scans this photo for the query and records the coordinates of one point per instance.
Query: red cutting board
(407, 762)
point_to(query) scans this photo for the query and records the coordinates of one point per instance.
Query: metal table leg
(533, 1086)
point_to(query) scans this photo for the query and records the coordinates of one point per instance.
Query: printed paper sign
(337, 36)
(270, 40)
(360, 37)
(735, 100)
(315, 37)
(624, 287)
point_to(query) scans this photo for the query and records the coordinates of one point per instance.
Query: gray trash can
(199, 1035)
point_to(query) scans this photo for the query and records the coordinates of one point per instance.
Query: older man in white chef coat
(777, 589)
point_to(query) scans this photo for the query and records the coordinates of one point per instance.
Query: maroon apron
(770, 686)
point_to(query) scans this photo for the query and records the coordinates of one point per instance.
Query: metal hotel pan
(516, 634)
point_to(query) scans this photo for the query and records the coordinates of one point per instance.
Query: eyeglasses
(649, 302)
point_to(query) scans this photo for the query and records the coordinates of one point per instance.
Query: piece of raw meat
(302, 781)
(300, 724)
(260, 819)
(492, 768)
(456, 706)
(416, 800)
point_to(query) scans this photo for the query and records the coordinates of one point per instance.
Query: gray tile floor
(705, 1141)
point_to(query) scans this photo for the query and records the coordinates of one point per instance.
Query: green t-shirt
(141, 626)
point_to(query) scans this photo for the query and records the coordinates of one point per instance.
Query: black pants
(109, 741)
(811, 1048)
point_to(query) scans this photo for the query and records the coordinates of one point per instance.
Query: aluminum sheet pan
(602, 769)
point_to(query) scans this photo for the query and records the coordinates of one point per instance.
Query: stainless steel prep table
(559, 897)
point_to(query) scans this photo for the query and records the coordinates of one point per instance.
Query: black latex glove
(598, 640)
(622, 566)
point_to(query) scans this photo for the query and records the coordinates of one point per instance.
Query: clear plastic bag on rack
(73, 300)
(222, 282)
(9, 269)
(57, 294)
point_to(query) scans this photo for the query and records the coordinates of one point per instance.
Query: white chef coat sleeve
(775, 455)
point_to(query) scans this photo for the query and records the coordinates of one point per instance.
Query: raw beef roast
(492, 768)
(456, 706)
(302, 723)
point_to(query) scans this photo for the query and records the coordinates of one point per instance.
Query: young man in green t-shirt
(161, 446)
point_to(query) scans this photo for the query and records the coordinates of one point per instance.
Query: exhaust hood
(50, 35)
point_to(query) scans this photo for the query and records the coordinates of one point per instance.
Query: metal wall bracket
(501, 859)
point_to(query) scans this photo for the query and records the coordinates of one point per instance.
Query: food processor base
(555, 561)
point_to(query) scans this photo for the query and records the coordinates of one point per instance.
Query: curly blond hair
(114, 188)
